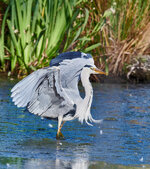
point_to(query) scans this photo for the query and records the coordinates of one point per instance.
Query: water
(121, 140)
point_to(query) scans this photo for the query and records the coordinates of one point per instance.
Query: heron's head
(92, 69)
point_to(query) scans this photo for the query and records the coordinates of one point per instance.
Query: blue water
(121, 139)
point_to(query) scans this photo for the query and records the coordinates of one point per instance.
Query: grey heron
(53, 92)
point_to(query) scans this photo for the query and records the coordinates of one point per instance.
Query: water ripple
(121, 139)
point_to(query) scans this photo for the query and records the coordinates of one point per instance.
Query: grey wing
(42, 93)
(23, 91)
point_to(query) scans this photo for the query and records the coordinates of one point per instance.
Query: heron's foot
(59, 136)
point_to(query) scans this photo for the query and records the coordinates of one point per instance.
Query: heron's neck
(83, 108)
(87, 87)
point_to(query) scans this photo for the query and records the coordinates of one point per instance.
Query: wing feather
(41, 92)
(22, 92)
(23, 83)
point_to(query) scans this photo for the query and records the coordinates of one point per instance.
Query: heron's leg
(60, 125)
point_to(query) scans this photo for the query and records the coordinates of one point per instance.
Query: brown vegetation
(114, 32)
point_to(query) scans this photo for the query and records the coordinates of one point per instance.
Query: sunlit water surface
(121, 140)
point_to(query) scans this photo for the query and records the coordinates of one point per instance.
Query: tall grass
(123, 31)
(36, 30)
(39, 30)
(123, 35)
(2, 32)
(114, 31)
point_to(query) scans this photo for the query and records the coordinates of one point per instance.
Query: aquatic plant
(113, 31)
(39, 30)
(125, 33)
(2, 32)
(130, 28)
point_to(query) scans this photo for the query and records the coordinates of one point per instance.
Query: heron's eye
(92, 68)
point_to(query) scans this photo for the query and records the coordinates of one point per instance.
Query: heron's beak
(99, 71)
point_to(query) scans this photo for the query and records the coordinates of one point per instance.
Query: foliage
(124, 32)
(5, 1)
(114, 31)
(39, 30)
(2, 28)
(129, 26)
(36, 30)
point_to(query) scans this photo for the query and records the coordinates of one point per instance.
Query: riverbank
(110, 79)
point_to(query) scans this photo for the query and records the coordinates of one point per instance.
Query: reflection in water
(20, 163)
(122, 137)
(79, 155)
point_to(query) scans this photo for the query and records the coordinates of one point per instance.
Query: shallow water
(121, 140)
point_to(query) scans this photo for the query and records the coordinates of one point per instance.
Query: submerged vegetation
(33, 32)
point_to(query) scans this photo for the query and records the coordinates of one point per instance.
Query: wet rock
(139, 70)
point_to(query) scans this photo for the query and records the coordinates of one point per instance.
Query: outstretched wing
(41, 92)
